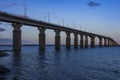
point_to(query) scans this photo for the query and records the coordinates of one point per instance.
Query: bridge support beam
(92, 42)
(100, 42)
(81, 41)
(86, 41)
(16, 36)
(68, 40)
(75, 40)
(105, 42)
(42, 38)
(57, 39)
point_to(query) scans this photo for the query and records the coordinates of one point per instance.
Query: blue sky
(103, 19)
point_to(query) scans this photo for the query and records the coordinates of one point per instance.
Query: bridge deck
(37, 23)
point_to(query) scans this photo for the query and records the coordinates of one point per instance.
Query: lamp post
(73, 25)
(85, 28)
(44, 18)
(48, 15)
(63, 21)
(25, 9)
(80, 26)
(59, 21)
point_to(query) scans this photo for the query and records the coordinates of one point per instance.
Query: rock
(2, 78)
(3, 53)
(14, 79)
(3, 70)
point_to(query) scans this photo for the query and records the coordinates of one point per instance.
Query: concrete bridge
(18, 21)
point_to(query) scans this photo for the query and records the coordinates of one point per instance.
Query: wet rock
(3, 53)
(14, 79)
(3, 70)
(2, 78)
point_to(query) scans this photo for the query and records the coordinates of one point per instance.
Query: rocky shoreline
(3, 54)
(3, 69)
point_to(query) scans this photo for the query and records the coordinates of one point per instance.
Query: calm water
(73, 64)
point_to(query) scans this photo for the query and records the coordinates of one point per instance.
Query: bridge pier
(68, 40)
(75, 40)
(57, 39)
(100, 42)
(108, 42)
(112, 43)
(81, 41)
(16, 36)
(42, 38)
(105, 42)
(86, 41)
(92, 42)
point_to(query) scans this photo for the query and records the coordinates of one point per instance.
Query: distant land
(37, 45)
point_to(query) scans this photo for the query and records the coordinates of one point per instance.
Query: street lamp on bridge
(48, 15)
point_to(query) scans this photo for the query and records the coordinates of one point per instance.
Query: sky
(103, 19)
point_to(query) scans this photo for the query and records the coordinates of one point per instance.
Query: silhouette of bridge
(18, 21)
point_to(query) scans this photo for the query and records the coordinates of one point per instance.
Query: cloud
(2, 29)
(93, 4)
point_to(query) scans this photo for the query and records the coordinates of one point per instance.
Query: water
(73, 64)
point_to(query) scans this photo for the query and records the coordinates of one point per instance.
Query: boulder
(3, 53)
(2, 78)
(3, 70)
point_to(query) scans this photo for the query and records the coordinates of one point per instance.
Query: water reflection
(64, 64)
(67, 55)
(57, 57)
(42, 66)
(41, 60)
(17, 68)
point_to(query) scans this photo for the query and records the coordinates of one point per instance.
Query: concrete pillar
(57, 39)
(42, 38)
(75, 40)
(111, 43)
(100, 42)
(16, 36)
(105, 42)
(108, 43)
(86, 41)
(81, 41)
(92, 42)
(68, 40)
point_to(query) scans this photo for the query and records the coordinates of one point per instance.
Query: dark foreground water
(73, 64)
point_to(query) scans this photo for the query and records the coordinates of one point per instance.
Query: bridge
(18, 21)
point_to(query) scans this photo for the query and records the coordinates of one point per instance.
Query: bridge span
(18, 21)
